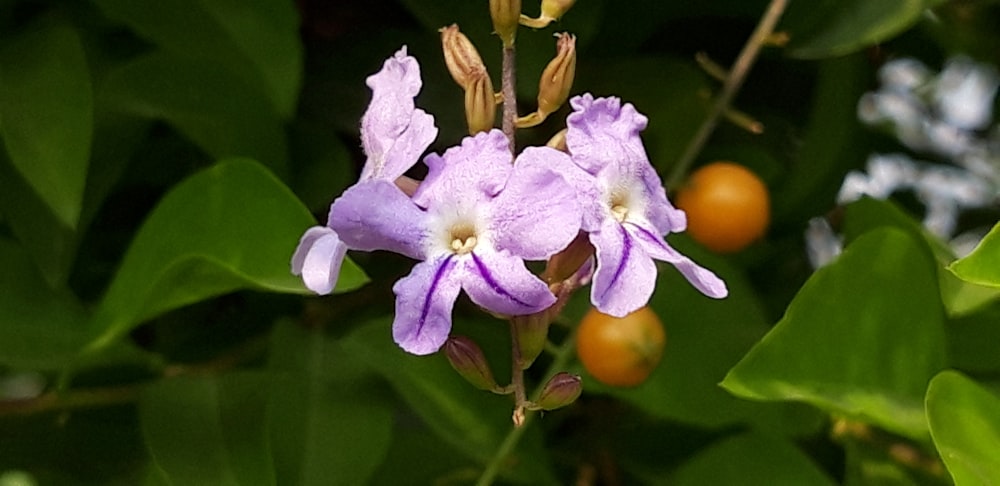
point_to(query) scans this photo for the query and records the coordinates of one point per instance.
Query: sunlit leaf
(861, 339)
(326, 424)
(256, 40)
(832, 28)
(229, 227)
(209, 430)
(965, 424)
(46, 114)
(982, 266)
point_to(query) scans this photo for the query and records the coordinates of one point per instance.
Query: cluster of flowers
(479, 214)
(947, 115)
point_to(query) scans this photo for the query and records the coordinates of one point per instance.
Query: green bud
(552, 10)
(505, 15)
(561, 390)
(532, 332)
(468, 360)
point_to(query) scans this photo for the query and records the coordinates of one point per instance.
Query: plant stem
(560, 360)
(738, 73)
(509, 95)
(517, 377)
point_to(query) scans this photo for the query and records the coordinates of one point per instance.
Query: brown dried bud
(480, 104)
(461, 57)
(561, 390)
(565, 264)
(505, 15)
(468, 360)
(557, 78)
(532, 333)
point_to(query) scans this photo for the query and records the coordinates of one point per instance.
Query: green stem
(560, 361)
(732, 85)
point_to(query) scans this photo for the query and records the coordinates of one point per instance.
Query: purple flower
(472, 222)
(625, 208)
(393, 134)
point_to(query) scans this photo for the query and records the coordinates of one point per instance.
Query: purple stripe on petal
(649, 236)
(622, 263)
(488, 278)
(442, 270)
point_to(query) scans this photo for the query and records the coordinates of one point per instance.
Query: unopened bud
(557, 78)
(461, 57)
(480, 104)
(505, 15)
(564, 264)
(552, 10)
(561, 390)
(468, 360)
(532, 332)
(558, 141)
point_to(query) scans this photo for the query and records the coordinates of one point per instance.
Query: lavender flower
(393, 134)
(625, 207)
(472, 222)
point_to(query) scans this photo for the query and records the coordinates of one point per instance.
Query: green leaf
(705, 338)
(862, 338)
(209, 430)
(473, 421)
(216, 108)
(830, 28)
(46, 114)
(982, 266)
(965, 423)
(327, 424)
(750, 459)
(255, 40)
(40, 328)
(229, 227)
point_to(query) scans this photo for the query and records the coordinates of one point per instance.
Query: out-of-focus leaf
(473, 421)
(972, 341)
(862, 338)
(255, 40)
(982, 266)
(40, 328)
(959, 297)
(228, 227)
(965, 423)
(209, 430)
(868, 463)
(46, 114)
(830, 146)
(216, 108)
(750, 459)
(705, 338)
(830, 28)
(326, 424)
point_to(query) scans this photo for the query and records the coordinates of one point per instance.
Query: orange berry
(727, 206)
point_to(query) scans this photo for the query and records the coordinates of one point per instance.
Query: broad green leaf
(972, 341)
(750, 459)
(964, 419)
(255, 40)
(326, 424)
(982, 266)
(960, 297)
(830, 28)
(46, 114)
(40, 328)
(209, 430)
(213, 107)
(229, 227)
(861, 339)
(472, 421)
(705, 338)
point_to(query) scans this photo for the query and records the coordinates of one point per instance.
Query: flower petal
(625, 276)
(376, 215)
(701, 278)
(393, 132)
(424, 300)
(602, 131)
(473, 171)
(499, 282)
(318, 259)
(536, 214)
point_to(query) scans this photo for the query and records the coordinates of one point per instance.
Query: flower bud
(557, 78)
(461, 57)
(564, 264)
(505, 15)
(558, 141)
(561, 390)
(480, 104)
(468, 360)
(552, 10)
(532, 332)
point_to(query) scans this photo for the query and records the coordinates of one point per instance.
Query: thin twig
(734, 81)
(509, 95)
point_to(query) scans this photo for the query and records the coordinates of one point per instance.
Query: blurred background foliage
(162, 159)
